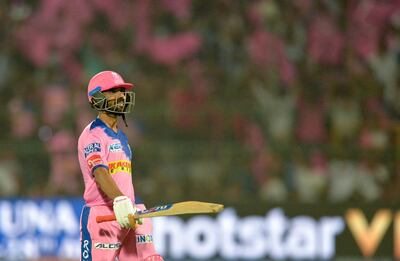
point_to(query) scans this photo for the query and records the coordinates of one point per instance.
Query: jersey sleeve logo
(94, 160)
(92, 147)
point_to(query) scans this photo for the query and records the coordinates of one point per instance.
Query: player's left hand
(123, 209)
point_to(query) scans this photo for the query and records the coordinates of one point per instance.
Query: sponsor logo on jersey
(92, 147)
(144, 239)
(119, 166)
(109, 246)
(94, 160)
(116, 147)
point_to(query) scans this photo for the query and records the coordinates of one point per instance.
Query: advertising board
(33, 228)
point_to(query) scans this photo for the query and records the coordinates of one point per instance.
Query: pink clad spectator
(118, 12)
(367, 21)
(252, 136)
(57, 98)
(189, 104)
(167, 50)
(143, 25)
(325, 41)
(171, 50)
(311, 119)
(85, 113)
(23, 122)
(268, 51)
(47, 33)
(64, 168)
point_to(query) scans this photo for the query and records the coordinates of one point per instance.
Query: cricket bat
(180, 208)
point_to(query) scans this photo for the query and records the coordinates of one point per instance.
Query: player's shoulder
(86, 131)
(89, 133)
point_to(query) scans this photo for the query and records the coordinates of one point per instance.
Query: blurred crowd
(236, 101)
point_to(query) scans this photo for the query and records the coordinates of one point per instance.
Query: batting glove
(122, 208)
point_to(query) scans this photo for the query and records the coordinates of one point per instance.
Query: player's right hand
(122, 208)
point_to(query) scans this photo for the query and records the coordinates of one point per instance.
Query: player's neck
(110, 120)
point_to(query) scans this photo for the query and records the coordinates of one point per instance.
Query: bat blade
(180, 208)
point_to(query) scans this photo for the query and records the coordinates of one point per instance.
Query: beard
(116, 105)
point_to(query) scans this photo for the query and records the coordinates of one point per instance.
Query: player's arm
(106, 183)
(122, 205)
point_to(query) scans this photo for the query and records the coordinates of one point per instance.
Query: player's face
(116, 99)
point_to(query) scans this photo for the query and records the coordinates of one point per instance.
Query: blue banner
(33, 228)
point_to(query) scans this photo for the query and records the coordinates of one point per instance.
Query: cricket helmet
(105, 81)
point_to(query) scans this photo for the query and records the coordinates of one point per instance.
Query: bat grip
(105, 218)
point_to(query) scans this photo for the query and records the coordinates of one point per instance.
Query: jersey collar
(99, 123)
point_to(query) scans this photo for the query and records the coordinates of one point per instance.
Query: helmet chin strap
(123, 118)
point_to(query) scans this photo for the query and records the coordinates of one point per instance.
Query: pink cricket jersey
(100, 146)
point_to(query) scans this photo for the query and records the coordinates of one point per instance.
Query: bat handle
(105, 218)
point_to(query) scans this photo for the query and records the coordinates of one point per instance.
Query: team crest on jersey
(92, 147)
(115, 147)
(94, 160)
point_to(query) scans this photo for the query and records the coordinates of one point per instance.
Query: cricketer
(105, 161)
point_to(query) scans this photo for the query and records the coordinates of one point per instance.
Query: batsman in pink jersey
(105, 160)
